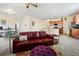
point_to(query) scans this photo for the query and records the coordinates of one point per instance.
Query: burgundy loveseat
(33, 39)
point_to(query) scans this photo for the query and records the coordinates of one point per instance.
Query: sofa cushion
(33, 34)
(29, 42)
(45, 39)
(28, 35)
(34, 41)
(23, 33)
(42, 34)
(23, 37)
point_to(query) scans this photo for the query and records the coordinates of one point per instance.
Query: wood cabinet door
(61, 30)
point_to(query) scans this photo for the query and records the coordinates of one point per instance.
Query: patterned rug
(27, 53)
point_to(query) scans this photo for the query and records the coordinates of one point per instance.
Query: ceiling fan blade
(27, 5)
(33, 5)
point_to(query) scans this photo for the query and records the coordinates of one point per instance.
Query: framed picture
(33, 23)
(3, 22)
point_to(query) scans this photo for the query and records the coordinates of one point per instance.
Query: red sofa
(32, 40)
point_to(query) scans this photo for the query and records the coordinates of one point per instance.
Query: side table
(56, 38)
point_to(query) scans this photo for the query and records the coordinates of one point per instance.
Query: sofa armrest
(55, 41)
(15, 42)
(49, 36)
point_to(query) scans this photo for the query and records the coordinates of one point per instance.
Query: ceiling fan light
(10, 12)
(27, 6)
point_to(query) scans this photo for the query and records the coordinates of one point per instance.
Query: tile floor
(69, 46)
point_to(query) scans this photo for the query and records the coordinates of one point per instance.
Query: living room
(24, 26)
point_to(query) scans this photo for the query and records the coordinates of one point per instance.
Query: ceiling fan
(31, 4)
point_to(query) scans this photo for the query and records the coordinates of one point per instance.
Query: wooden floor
(67, 45)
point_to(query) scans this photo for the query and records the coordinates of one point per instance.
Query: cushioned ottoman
(42, 51)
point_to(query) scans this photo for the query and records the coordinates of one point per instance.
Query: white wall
(26, 24)
(23, 21)
(10, 20)
(67, 24)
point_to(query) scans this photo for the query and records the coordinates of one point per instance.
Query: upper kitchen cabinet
(76, 19)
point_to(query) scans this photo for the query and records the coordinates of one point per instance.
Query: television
(1, 28)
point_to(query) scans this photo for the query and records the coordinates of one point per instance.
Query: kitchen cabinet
(74, 32)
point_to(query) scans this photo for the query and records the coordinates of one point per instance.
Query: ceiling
(44, 10)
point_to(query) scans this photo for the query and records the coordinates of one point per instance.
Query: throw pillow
(42, 34)
(37, 34)
(23, 37)
(29, 36)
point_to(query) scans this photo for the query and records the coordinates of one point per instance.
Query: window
(3, 22)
